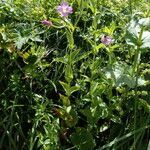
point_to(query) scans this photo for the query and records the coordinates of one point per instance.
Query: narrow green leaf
(74, 89)
(65, 100)
(66, 87)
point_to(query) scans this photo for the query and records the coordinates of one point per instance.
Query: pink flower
(64, 9)
(106, 40)
(47, 23)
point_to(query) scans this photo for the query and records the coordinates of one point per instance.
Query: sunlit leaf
(132, 34)
(65, 99)
(68, 73)
(145, 22)
(146, 39)
(21, 41)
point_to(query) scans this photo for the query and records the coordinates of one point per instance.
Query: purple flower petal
(70, 9)
(106, 40)
(64, 4)
(47, 23)
(64, 9)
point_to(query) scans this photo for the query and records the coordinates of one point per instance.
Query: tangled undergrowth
(74, 74)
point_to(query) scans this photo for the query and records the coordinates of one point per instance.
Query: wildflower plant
(77, 80)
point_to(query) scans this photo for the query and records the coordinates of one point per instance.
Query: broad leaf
(132, 34)
(145, 22)
(146, 39)
(21, 41)
(125, 79)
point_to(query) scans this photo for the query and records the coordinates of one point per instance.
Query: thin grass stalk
(116, 140)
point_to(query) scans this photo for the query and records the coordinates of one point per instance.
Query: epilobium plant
(68, 87)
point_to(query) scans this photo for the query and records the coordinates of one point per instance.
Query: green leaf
(132, 33)
(66, 87)
(141, 81)
(36, 39)
(145, 39)
(115, 119)
(68, 73)
(104, 127)
(74, 89)
(73, 56)
(68, 58)
(61, 59)
(65, 100)
(83, 139)
(21, 41)
(83, 56)
(72, 118)
(145, 105)
(99, 111)
(68, 109)
(70, 39)
(87, 112)
(99, 47)
(125, 79)
(145, 22)
(69, 90)
(94, 86)
(4, 36)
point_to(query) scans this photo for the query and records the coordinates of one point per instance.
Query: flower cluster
(64, 10)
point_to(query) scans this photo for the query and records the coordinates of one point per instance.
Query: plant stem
(130, 5)
(136, 71)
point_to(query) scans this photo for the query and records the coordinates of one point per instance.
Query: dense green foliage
(62, 88)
